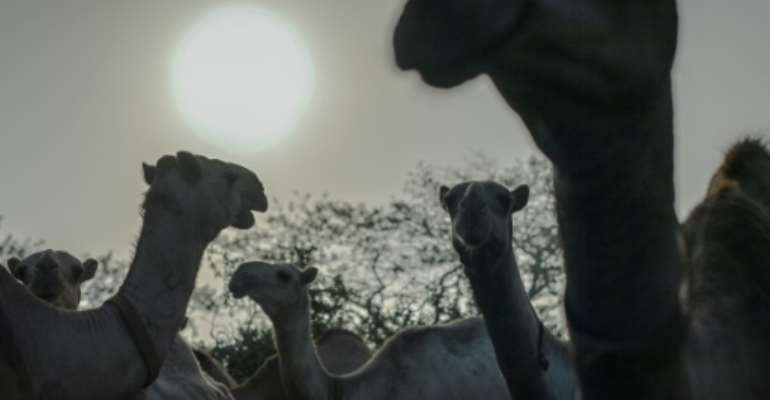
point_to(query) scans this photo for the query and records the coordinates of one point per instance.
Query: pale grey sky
(85, 98)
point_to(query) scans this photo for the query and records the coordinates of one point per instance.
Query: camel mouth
(472, 238)
(54, 299)
(420, 28)
(244, 220)
(241, 284)
(470, 243)
(238, 289)
(48, 295)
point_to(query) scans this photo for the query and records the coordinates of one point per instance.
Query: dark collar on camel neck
(140, 336)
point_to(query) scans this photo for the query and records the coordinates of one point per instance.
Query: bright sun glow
(242, 78)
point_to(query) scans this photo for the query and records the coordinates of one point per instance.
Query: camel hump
(746, 166)
(336, 333)
(342, 351)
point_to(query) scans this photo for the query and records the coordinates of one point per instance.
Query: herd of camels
(656, 309)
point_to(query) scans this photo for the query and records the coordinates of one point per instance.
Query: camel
(451, 361)
(190, 200)
(727, 242)
(591, 81)
(57, 276)
(481, 215)
(340, 351)
(54, 276)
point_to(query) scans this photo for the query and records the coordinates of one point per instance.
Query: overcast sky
(85, 98)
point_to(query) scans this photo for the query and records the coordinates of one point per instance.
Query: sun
(241, 78)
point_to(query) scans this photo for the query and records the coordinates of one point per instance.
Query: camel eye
(283, 276)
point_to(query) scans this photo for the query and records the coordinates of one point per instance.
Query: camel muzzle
(238, 289)
(244, 279)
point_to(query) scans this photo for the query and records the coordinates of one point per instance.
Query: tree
(107, 281)
(383, 267)
(12, 246)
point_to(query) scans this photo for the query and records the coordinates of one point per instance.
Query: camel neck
(618, 228)
(162, 275)
(301, 372)
(511, 322)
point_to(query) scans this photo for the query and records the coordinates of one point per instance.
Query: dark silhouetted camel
(591, 80)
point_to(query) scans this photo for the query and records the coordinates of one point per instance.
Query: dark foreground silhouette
(591, 80)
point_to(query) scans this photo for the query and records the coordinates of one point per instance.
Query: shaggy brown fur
(728, 297)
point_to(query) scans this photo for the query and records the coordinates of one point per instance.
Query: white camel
(452, 361)
(339, 350)
(190, 200)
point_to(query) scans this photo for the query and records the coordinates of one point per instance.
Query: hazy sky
(85, 98)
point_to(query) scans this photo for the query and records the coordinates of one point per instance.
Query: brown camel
(591, 80)
(340, 351)
(190, 200)
(727, 294)
(482, 229)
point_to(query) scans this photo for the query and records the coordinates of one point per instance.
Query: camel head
(277, 288)
(449, 41)
(746, 167)
(213, 194)
(54, 276)
(481, 212)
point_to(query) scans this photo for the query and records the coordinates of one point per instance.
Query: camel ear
(89, 269)
(442, 192)
(149, 173)
(308, 275)
(13, 265)
(519, 198)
